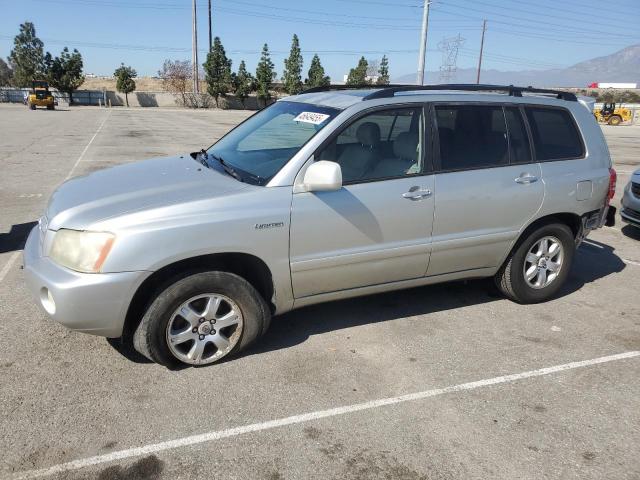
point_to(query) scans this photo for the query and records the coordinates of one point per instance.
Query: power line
(538, 12)
(563, 27)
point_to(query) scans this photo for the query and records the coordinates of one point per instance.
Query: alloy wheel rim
(204, 329)
(543, 262)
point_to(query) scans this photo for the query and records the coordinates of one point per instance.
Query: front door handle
(417, 193)
(526, 178)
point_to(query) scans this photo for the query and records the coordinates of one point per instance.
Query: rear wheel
(615, 120)
(202, 319)
(539, 265)
(50, 107)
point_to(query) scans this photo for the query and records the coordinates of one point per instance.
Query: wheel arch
(572, 220)
(247, 266)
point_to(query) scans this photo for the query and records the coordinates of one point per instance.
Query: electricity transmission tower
(449, 48)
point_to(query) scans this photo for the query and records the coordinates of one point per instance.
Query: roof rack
(388, 91)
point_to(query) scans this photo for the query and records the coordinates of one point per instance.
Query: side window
(554, 132)
(383, 144)
(520, 151)
(471, 136)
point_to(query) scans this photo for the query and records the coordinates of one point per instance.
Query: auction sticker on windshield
(311, 117)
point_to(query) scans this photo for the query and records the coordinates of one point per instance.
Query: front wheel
(201, 319)
(538, 267)
(615, 120)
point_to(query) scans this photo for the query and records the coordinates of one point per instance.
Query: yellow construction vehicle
(612, 114)
(40, 96)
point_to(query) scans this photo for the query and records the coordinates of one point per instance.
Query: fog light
(47, 301)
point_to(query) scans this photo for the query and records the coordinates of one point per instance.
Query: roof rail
(388, 91)
(330, 88)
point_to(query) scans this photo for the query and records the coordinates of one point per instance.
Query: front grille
(631, 213)
(635, 189)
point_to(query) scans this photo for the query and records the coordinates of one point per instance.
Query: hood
(133, 187)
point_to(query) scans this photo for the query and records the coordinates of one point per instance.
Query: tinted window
(554, 134)
(520, 151)
(366, 150)
(471, 136)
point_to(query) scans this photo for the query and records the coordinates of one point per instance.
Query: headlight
(81, 251)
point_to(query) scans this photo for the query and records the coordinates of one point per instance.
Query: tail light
(613, 177)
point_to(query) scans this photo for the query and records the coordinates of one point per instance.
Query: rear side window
(471, 136)
(519, 149)
(555, 136)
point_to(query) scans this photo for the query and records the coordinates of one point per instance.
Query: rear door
(487, 186)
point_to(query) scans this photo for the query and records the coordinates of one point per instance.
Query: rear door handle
(526, 178)
(417, 193)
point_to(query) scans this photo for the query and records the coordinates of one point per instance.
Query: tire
(32, 106)
(511, 278)
(50, 107)
(615, 120)
(188, 296)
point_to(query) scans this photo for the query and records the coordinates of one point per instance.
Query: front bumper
(90, 303)
(630, 212)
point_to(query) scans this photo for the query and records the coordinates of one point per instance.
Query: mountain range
(621, 66)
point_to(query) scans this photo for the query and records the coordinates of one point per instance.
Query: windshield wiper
(227, 168)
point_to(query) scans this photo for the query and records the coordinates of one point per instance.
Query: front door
(376, 229)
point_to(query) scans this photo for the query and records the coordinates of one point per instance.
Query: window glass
(554, 134)
(471, 136)
(384, 144)
(258, 148)
(520, 151)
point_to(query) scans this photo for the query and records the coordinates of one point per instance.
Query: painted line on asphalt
(310, 416)
(12, 259)
(630, 262)
(87, 146)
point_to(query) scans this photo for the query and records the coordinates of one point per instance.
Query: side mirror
(323, 176)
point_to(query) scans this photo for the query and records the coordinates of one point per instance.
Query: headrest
(368, 134)
(405, 146)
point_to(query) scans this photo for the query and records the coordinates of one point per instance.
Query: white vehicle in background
(622, 86)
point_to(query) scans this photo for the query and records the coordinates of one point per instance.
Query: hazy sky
(142, 33)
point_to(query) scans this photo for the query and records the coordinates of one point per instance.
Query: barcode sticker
(311, 117)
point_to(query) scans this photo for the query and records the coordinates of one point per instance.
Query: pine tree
(316, 76)
(383, 71)
(65, 72)
(358, 75)
(264, 75)
(218, 71)
(292, 76)
(125, 82)
(27, 58)
(244, 83)
(6, 74)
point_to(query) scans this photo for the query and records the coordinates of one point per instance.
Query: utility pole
(194, 46)
(423, 42)
(484, 28)
(210, 39)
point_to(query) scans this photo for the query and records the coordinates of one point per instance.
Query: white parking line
(308, 417)
(14, 256)
(87, 146)
(7, 266)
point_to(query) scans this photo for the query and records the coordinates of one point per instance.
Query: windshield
(258, 148)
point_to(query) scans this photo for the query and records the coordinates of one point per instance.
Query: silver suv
(330, 194)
